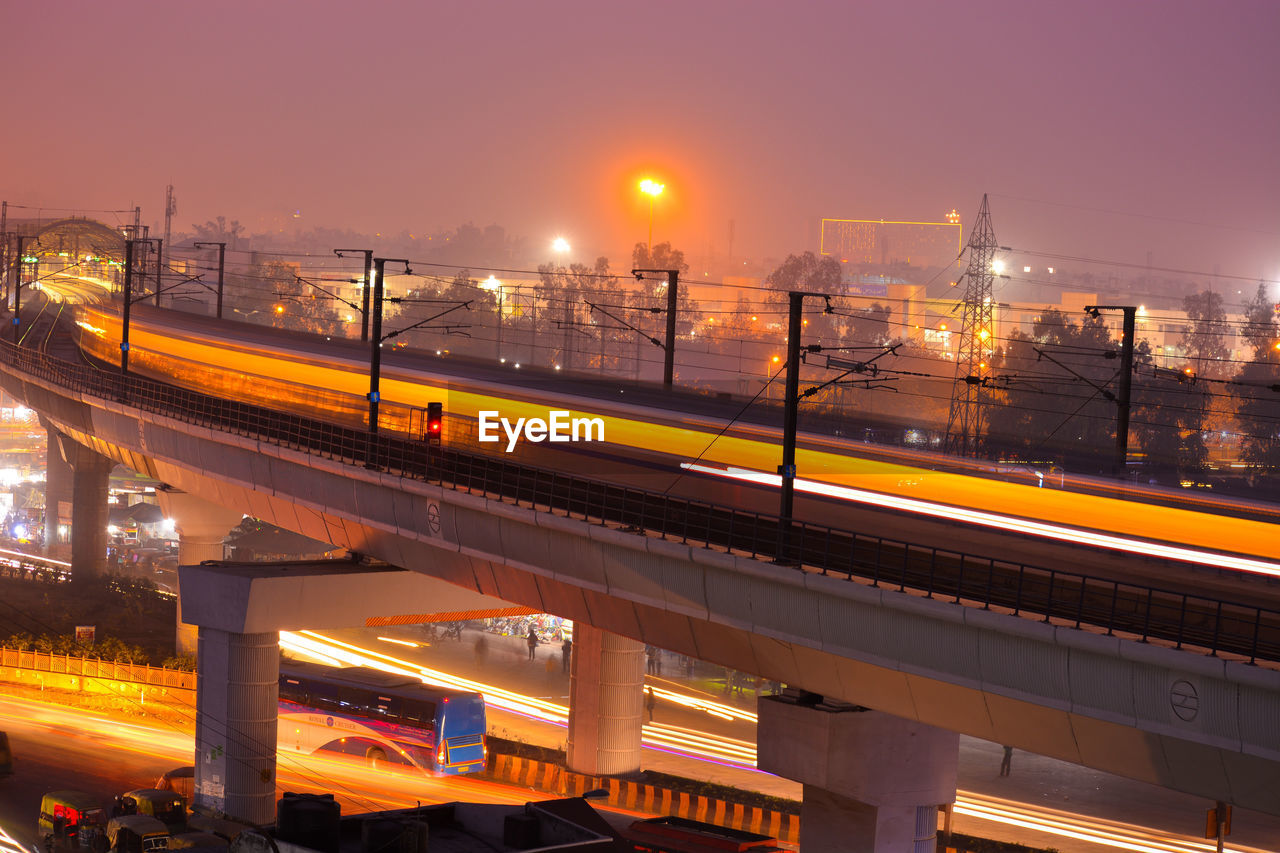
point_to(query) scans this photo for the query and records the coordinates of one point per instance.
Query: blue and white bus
(389, 719)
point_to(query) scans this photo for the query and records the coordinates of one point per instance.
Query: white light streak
(1007, 523)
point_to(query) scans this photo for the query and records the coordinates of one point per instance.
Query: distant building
(870, 241)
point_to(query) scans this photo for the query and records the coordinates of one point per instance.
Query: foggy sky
(541, 117)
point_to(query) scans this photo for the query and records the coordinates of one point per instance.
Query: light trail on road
(706, 746)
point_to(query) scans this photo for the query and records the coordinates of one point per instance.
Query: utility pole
(669, 355)
(159, 268)
(222, 266)
(791, 412)
(128, 301)
(375, 352)
(966, 419)
(23, 239)
(364, 297)
(4, 248)
(1119, 466)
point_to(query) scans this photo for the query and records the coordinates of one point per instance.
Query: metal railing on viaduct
(1180, 619)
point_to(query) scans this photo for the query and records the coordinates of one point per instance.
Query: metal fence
(1073, 598)
(88, 667)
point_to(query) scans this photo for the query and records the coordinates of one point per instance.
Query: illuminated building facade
(870, 241)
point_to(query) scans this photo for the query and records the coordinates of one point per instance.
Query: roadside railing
(1072, 598)
(90, 667)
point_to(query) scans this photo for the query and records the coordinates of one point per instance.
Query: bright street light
(560, 245)
(653, 189)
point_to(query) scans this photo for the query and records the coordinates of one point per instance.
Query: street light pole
(653, 189)
(375, 352)
(222, 258)
(364, 299)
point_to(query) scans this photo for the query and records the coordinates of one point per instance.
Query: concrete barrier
(635, 796)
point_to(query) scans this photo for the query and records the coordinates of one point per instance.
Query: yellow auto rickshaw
(137, 833)
(166, 806)
(69, 820)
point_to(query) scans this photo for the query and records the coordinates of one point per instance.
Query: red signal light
(435, 423)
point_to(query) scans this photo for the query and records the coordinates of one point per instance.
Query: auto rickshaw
(166, 806)
(136, 833)
(6, 756)
(69, 820)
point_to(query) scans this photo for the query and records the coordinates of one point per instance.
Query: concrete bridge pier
(240, 609)
(606, 701)
(201, 528)
(90, 481)
(872, 782)
(236, 691)
(58, 484)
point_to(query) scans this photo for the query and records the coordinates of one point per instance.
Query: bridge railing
(1073, 598)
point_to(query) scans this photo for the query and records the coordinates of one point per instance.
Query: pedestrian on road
(1006, 761)
(566, 651)
(650, 702)
(532, 640)
(482, 649)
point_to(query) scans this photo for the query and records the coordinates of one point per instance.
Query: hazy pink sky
(542, 116)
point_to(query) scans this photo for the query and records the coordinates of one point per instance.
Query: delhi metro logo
(1185, 700)
(558, 426)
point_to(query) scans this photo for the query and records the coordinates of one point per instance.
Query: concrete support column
(58, 481)
(201, 528)
(236, 694)
(606, 701)
(872, 782)
(90, 480)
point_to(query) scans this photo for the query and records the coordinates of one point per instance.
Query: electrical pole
(18, 262)
(966, 419)
(128, 300)
(159, 267)
(375, 352)
(791, 411)
(1119, 466)
(669, 354)
(364, 297)
(4, 249)
(222, 266)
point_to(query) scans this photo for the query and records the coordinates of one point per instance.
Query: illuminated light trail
(1122, 836)
(685, 741)
(395, 788)
(9, 844)
(1001, 522)
(1008, 813)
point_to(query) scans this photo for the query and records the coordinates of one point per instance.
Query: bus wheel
(376, 757)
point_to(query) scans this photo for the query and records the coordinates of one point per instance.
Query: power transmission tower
(170, 208)
(966, 421)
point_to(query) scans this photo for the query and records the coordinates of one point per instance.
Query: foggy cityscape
(807, 427)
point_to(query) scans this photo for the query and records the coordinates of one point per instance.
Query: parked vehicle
(6, 756)
(166, 806)
(69, 820)
(136, 833)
